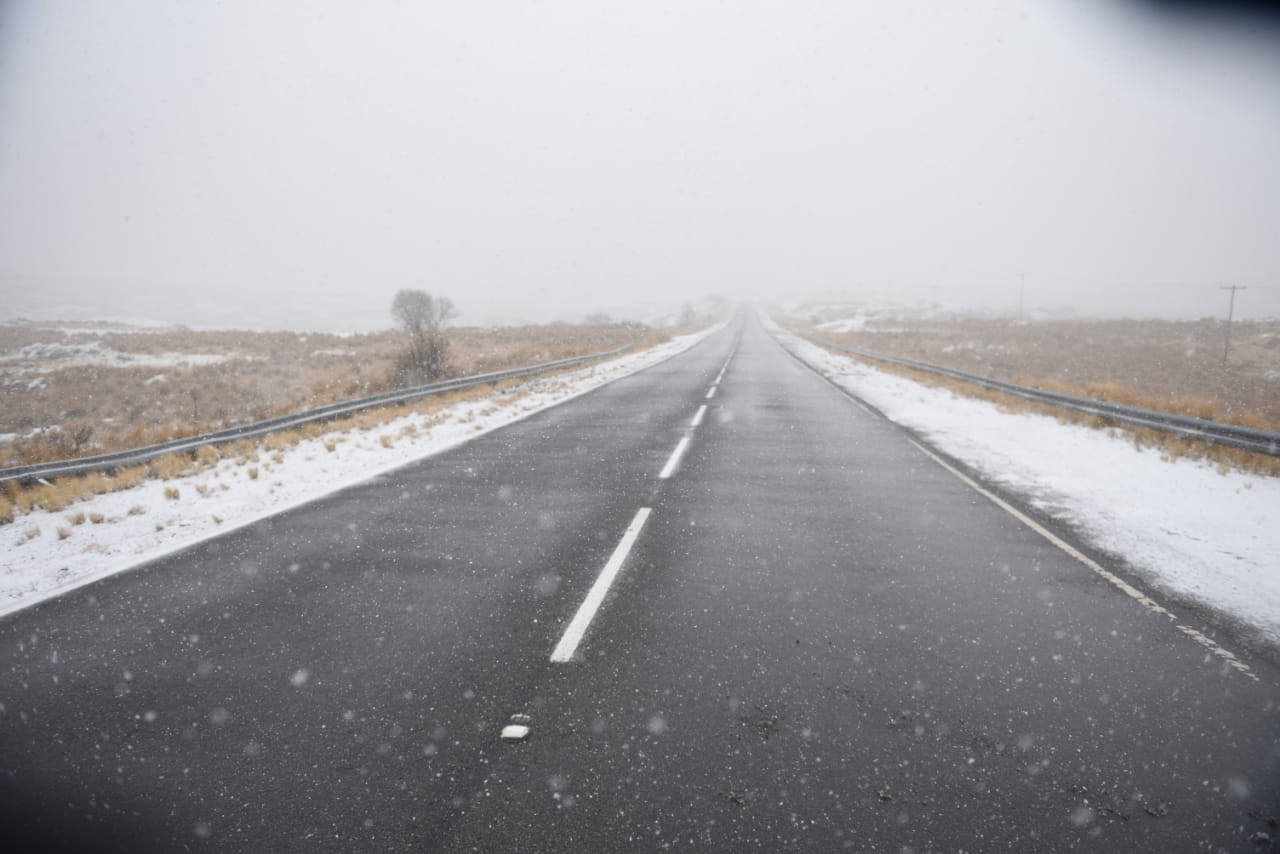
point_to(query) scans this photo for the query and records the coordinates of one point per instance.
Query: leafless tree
(426, 356)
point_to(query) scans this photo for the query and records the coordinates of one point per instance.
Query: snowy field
(54, 356)
(1184, 526)
(141, 524)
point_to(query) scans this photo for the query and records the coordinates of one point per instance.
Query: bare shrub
(425, 357)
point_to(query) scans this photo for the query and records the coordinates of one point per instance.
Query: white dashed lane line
(586, 612)
(577, 628)
(674, 459)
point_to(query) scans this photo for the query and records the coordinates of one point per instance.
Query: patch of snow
(142, 524)
(158, 378)
(1185, 527)
(849, 324)
(54, 356)
(36, 383)
(331, 351)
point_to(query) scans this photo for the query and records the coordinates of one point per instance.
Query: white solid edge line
(711, 393)
(697, 419)
(674, 459)
(586, 612)
(1127, 588)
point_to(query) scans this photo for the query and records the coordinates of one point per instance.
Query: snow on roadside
(141, 524)
(1184, 526)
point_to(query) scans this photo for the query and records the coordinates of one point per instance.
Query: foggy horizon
(294, 165)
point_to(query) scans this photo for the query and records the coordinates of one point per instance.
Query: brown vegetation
(60, 493)
(1170, 366)
(62, 410)
(1170, 446)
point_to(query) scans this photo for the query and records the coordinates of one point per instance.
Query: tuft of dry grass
(170, 466)
(63, 533)
(128, 478)
(252, 473)
(97, 518)
(330, 446)
(29, 534)
(217, 520)
(6, 510)
(76, 518)
(172, 493)
(137, 510)
(281, 441)
(385, 441)
(207, 455)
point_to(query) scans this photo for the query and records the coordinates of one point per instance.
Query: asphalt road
(819, 639)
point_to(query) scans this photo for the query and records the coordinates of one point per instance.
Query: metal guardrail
(1216, 432)
(136, 456)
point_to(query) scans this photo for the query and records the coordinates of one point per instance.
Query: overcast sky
(268, 163)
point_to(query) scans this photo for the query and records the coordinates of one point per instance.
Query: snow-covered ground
(53, 356)
(1186, 527)
(140, 524)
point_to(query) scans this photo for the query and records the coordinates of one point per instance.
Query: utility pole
(1231, 310)
(1022, 293)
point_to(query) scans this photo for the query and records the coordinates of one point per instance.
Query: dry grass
(128, 478)
(171, 466)
(63, 533)
(1170, 366)
(83, 410)
(76, 518)
(1170, 446)
(434, 410)
(97, 518)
